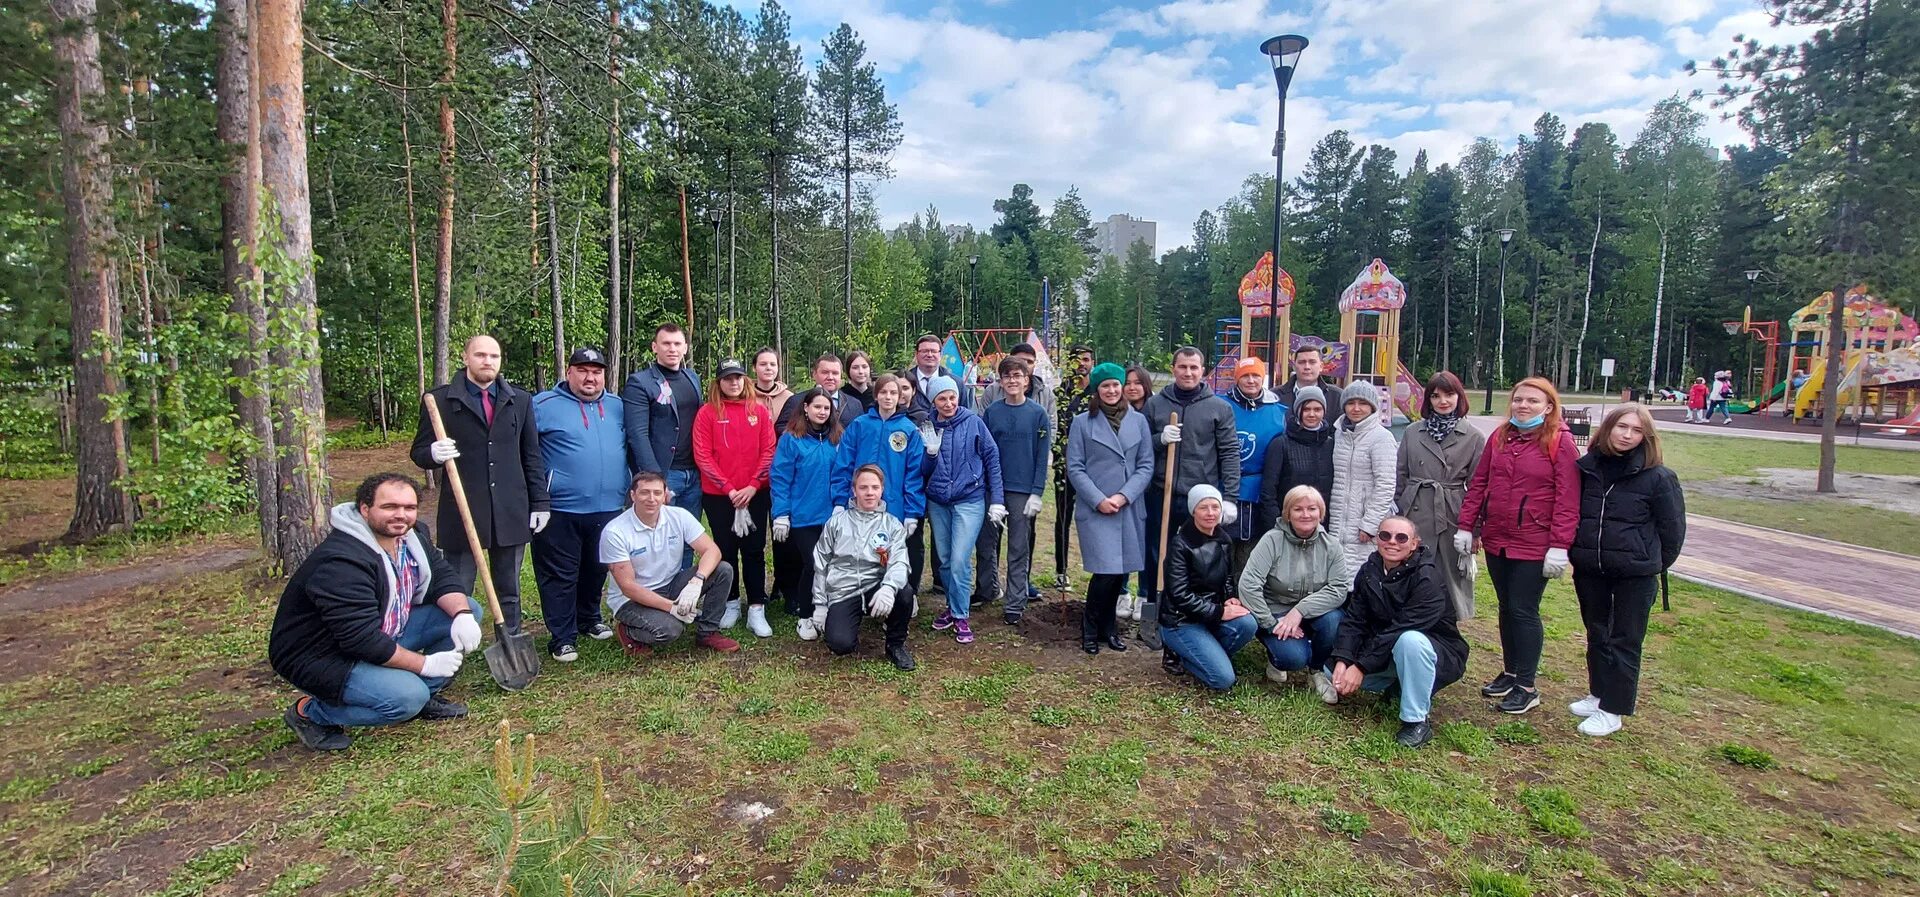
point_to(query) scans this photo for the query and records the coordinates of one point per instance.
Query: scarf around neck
(1440, 426)
(1115, 412)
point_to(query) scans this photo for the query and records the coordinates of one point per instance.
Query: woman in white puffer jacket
(1365, 456)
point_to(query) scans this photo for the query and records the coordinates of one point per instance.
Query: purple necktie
(486, 404)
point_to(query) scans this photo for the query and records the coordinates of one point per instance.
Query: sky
(1162, 110)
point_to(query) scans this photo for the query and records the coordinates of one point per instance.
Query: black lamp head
(1284, 52)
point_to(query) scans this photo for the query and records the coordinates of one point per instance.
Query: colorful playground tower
(1369, 346)
(1879, 364)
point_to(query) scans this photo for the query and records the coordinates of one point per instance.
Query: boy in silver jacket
(860, 570)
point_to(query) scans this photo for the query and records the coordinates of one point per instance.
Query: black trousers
(1175, 520)
(567, 568)
(1098, 623)
(747, 554)
(1615, 610)
(503, 564)
(843, 621)
(793, 569)
(917, 556)
(1518, 586)
(1062, 528)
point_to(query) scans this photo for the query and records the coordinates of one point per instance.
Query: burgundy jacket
(1520, 502)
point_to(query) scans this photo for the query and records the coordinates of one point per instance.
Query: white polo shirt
(654, 551)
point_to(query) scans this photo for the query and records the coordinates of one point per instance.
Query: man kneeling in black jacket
(1400, 628)
(374, 624)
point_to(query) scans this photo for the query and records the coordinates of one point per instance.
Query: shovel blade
(1150, 624)
(512, 659)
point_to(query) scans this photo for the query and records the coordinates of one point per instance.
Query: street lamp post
(1284, 52)
(715, 217)
(973, 285)
(1500, 357)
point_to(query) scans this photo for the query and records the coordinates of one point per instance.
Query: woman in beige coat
(1437, 458)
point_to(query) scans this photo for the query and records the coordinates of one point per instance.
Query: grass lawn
(1776, 753)
(1735, 464)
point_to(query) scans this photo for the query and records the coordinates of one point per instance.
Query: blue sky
(1162, 109)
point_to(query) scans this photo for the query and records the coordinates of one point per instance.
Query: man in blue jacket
(585, 444)
(661, 400)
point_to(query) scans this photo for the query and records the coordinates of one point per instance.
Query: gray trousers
(504, 563)
(652, 627)
(1019, 536)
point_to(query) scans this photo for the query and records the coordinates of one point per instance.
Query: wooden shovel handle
(1166, 508)
(466, 514)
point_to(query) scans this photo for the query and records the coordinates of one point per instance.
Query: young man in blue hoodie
(583, 436)
(1023, 431)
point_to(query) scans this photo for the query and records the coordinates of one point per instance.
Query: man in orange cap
(1258, 417)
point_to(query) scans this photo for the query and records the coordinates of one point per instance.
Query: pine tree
(854, 127)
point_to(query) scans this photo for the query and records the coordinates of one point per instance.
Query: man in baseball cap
(583, 436)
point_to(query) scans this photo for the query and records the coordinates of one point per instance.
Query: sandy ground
(1886, 491)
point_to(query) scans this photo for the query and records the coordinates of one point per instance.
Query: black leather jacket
(1199, 576)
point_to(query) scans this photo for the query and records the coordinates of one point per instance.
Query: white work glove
(687, 605)
(997, 514)
(932, 440)
(465, 633)
(742, 522)
(1033, 506)
(882, 602)
(1229, 512)
(1169, 434)
(1463, 543)
(782, 525)
(1555, 564)
(913, 523)
(820, 618)
(539, 520)
(443, 450)
(441, 664)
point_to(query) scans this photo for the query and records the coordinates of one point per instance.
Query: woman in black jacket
(1633, 520)
(1202, 622)
(1302, 456)
(1400, 628)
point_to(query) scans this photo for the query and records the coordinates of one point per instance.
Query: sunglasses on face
(1396, 538)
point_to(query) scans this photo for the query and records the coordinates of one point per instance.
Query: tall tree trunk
(846, 202)
(1479, 312)
(99, 503)
(443, 265)
(544, 135)
(238, 131)
(413, 230)
(1843, 244)
(1659, 300)
(773, 217)
(733, 308)
(615, 351)
(299, 408)
(686, 259)
(1586, 305)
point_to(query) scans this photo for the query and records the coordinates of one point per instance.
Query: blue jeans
(1413, 667)
(683, 492)
(1308, 653)
(1207, 650)
(956, 528)
(381, 696)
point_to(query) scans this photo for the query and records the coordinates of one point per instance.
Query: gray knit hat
(1364, 390)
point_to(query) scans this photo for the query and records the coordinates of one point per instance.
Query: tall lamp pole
(1284, 52)
(715, 217)
(973, 285)
(1500, 361)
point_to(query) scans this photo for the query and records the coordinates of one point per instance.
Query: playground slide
(1816, 380)
(1407, 393)
(1744, 407)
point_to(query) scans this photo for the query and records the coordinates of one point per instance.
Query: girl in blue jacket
(802, 501)
(964, 493)
(887, 438)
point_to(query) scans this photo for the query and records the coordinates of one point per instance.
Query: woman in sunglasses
(1400, 627)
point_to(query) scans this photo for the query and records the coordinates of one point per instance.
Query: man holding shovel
(653, 593)
(374, 624)
(1206, 451)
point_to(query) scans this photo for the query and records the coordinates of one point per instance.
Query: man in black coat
(1400, 628)
(1308, 363)
(491, 434)
(373, 625)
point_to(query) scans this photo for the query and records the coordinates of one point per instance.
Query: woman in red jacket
(1522, 507)
(733, 443)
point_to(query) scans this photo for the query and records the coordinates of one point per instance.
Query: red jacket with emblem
(733, 446)
(1520, 501)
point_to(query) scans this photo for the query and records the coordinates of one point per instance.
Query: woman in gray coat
(1437, 457)
(1109, 463)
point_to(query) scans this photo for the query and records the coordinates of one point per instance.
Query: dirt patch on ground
(1886, 491)
(71, 591)
(33, 513)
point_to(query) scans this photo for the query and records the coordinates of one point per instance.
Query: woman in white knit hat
(1202, 621)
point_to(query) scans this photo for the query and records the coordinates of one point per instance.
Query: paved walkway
(1742, 428)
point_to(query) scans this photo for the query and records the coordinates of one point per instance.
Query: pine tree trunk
(100, 504)
(1659, 300)
(686, 259)
(616, 356)
(413, 230)
(299, 408)
(443, 264)
(1586, 306)
(846, 205)
(773, 217)
(553, 235)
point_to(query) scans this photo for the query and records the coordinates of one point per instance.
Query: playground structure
(1768, 334)
(1879, 363)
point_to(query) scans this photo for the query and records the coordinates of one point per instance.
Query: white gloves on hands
(1555, 564)
(781, 527)
(443, 450)
(1463, 543)
(441, 664)
(687, 604)
(1229, 513)
(742, 522)
(882, 602)
(1169, 434)
(820, 618)
(538, 521)
(1033, 506)
(465, 633)
(997, 514)
(932, 440)
(913, 523)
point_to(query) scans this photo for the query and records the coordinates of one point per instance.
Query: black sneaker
(1499, 687)
(599, 632)
(1413, 735)
(1171, 665)
(1519, 700)
(314, 735)
(1012, 617)
(900, 658)
(564, 652)
(1091, 647)
(440, 708)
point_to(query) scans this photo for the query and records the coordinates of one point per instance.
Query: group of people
(1286, 512)
(1703, 401)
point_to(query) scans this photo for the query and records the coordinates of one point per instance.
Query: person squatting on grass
(1295, 582)
(1022, 432)
(1633, 521)
(733, 443)
(1399, 627)
(653, 592)
(1522, 507)
(1202, 621)
(1437, 458)
(802, 479)
(1109, 459)
(583, 436)
(374, 623)
(886, 437)
(964, 493)
(860, 570)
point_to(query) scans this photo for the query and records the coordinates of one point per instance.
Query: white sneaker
(1584, 707)
(757, 621)
(1123, 609)
(1275, 675)
(732, 616)
(1133, 610)
(1323, 685)
(1600, 724)
(805, 630)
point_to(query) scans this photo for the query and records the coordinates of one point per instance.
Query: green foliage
(1516, 733)
(1553, 811)
(547, 844)
(207, 870)
(1486, 881)
(1343, 822)
(1744, 755)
